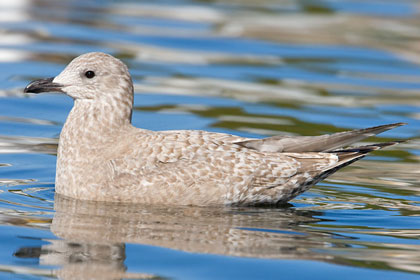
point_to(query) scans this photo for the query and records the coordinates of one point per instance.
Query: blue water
(251, 69)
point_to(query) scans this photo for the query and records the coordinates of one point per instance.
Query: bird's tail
(356, 153)
(350, 155)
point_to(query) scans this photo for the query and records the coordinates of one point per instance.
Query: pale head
(95, 76)
(91, 76)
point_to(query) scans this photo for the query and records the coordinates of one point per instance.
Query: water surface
(253, 69)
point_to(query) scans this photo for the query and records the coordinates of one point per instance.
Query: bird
(101, 156)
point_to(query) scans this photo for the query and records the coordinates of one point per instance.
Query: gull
(102, 157)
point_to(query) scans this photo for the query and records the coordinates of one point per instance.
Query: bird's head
(91, 76)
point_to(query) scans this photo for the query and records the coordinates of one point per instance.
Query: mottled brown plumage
(101, 156)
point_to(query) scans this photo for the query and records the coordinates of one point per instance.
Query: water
(252, 69)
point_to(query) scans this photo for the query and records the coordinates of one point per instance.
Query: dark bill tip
(43, 85)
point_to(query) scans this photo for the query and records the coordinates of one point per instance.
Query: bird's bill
(43, 85)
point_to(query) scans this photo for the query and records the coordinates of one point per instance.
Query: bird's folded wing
(322, 143)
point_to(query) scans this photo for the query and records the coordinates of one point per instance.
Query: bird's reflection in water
(92, 235)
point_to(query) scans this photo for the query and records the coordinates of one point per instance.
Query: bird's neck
(92, 123)
(91, 130)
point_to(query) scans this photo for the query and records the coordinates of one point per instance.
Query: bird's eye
(90, 74)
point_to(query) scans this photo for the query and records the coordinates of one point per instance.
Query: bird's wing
(312, 168)
(322, 143)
